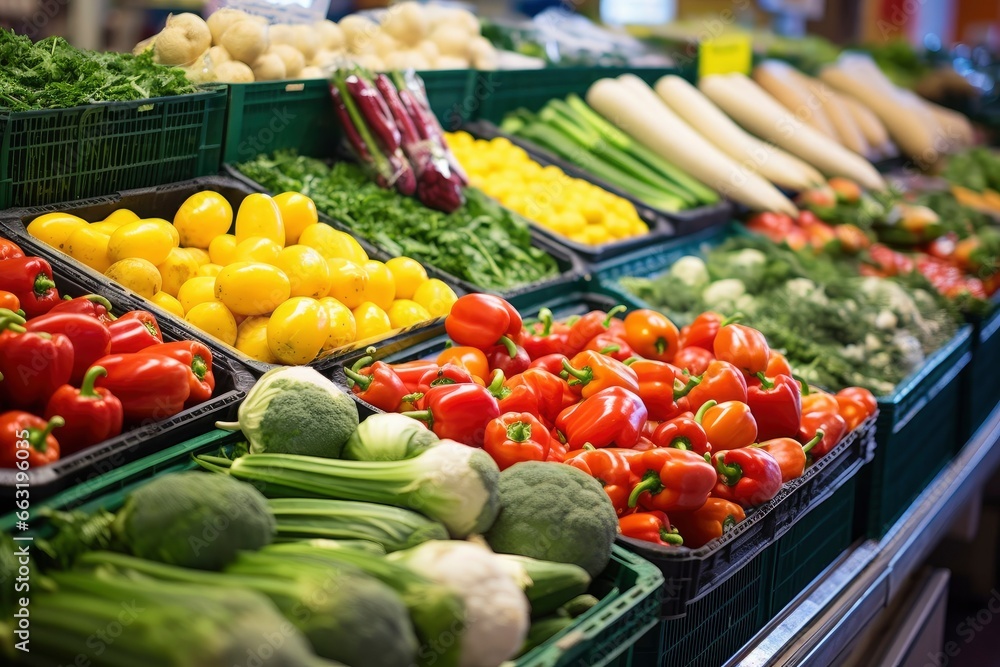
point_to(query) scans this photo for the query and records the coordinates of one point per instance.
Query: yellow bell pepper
(259, 216)
(256, 249)
(332, 242)
(436, 297)
(408, 275)
(349, 282)
(89, 247)
(202, 217)
(199, 255)
(142, 239)
(214, 318)
(196, 290)
(210, 270)
(297, 330)
(177, 269)
(137, 274)
(307, 271)
(297, 212)
(342, 329)
(168, 303)
(55, 228)
(381, 288)
(221, 249)
(251, 339)
(371, 321)
(249, 288)
(406, 313)
(119, 218)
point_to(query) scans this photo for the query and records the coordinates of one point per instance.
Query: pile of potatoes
(235, 47)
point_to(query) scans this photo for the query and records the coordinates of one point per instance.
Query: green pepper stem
(354, 372)
(519, 432)
(412, 398)
(199, 367)
(735, 317)
(660, 345)
(589, 447)
(583, 376)
(608, 349)
(545, 317)
(686, 389)
(698, 416)
(816, 439)
(228, 426)
(681, 442)
(611, 314)
(87, 388)
(509, 344)
(651, 482)
(631, 360)
(98, 299)
(671, 536)
(355, 378)
(496, 382)
(38, 438)
(805, 385)
(420, 415)
(6, 314)
(43, 284)
(764, 382)
(730, 473)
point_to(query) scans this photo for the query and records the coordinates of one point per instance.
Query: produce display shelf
(231, 378)
(55, 155)
(162, 202)
(627, 588)
(983, 382)
(822, 625)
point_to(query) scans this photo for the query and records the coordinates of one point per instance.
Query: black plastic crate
(54, 155)
(232, 381)
(982, 379)
(570, 267)
(162, 202)
(673, 223)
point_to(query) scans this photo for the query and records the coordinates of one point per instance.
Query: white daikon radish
(955, 125)
(766, 159)
(778, 79)
(871, 127)
(758, 112)
(840, 118)
(636, 110)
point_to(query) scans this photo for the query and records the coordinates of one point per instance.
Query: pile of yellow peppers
(568, 206)
(281, 288)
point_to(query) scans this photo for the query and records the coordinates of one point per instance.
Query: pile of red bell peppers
(73, 375)
(685, 429)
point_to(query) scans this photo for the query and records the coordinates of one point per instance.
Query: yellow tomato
(256, 249)
(89, 247)
(406, 313)
(104, 228)
(137, 274)
(408, 274)
(436, 297)
(297, 213)
(251, 339)
(202, 217)
(120, 217)
(259, 216)
(332, 242)
(249, 288)
(168, 303)
(55, 228)
(142, 239)
(371, 321)
(177, 269)
(221, 249)
(196, 290)
(175, 236)
(297, 330)
(381, 288)
(214, 318)
(308, 272)
(342, 329)
(199, 255)
(210, 270)
(348, 282)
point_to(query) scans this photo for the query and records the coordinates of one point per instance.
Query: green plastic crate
(498, 93)
(983, 380)
(628, 588)
(453, 95)
(56, 155)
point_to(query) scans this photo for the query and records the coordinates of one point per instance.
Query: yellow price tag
(725, 54)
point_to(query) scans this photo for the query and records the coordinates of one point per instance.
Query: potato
(385, 44)
(358, 31)
(269, 67)
(246, 40)
(234, 72)
(407, 23)
(482, 53)
(221, 20)
(331, 37)
(370, 62)
(194, 28)
(218, 55)
(326, 59)
(292, 58)
(174, 47)
(430, 50)
(312, 72)
(306, 40)
(451, 40)
(406, 60)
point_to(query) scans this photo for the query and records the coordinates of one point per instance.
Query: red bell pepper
(702, 331)
(709, 522)
(613, 415)
(134, 331)
(818, 401)
(498, 357)
(744, 347)
(9, 250)
(831, 424)
(682, 433)
(458, 412)
(670, 479)
(777, 364)
(198, 359)
(24, 432)
(33, 365)
(651, 334)
(721, 382)
(411, 372)
(790, 455)
(658, 387)
(514, 437)
(611, 468)
(471, 359)
(150, 387)
(855, 404)
(482, 321)
(94, 305)
(91, 415)
(728, 425)
(610, 346)
(552, 363)
(747, 476)
(538, 392)
(591, 372)
(584, 329)
(375, 383)
(650, 527)
(557, 451)
(694, 360)
(545, 336)
(776, 409)
(444, 375)
(90, 337)
(30, 279)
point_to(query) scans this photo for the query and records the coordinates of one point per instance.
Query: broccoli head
(554, 512)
